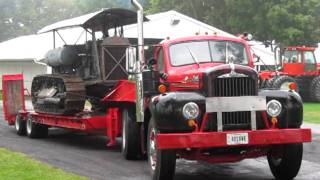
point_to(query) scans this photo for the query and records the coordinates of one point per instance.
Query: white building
(17, 56)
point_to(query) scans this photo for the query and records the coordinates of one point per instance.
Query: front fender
(292, 113)
(166, 110)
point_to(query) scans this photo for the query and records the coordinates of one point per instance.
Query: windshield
(291, 56)
(207, 51)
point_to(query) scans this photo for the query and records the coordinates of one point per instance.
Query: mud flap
(13, 96)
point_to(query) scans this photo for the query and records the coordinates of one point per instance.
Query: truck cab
(299, 60)
(209, 107)
(182, 62)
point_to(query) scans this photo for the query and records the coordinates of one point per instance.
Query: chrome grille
(235, 86)
(232, 86)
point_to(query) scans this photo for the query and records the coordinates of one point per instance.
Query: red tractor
(297, 65)
(196, 98)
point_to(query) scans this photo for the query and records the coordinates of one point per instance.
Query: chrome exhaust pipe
(139, 63)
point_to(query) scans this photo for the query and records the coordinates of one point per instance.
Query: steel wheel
(20, 125)
(36, 130)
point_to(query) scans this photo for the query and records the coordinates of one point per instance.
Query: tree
(287, 21)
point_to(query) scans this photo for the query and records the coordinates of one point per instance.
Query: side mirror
(131, 60)
(151, 62)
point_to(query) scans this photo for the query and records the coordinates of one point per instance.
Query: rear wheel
(162, 163)
(20, 126)
(281, 82)
(285, 164)
(131, 138)
(315, 89)
(35, 130)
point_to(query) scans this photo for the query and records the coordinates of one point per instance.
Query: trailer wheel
(281, 82)
(131, 138)
(315, 89)
(286, 164)
(162, 163)
(20, 125)
(36, 130)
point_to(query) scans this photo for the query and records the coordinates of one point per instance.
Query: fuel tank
(62, 56)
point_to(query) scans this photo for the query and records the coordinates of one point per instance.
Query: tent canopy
(106, 17)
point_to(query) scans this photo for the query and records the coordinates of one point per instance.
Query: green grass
(311, 112)
(0, 95)
(15, 165)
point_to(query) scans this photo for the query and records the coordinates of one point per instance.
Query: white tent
(172, 24)
(265, 53)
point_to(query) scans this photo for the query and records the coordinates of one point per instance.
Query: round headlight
(274, 108)
(190, 110)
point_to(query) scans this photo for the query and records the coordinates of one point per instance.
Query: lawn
(15, 165)
(311, 112)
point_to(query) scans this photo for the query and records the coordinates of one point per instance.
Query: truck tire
(35, 130)
(131, 136)
(20, 125)
(315, 89)
(286, 165)
(162, 163)
(281, 82)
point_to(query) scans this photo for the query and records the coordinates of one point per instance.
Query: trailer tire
(281, 82)
(287, 165)
(162, 163)
(20, 125)
(315, 89)
(131, 136)
(35, 130)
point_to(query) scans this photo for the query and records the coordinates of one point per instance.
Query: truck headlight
(274, 108)
(190, 110)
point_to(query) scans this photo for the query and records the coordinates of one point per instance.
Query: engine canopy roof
(108, 18)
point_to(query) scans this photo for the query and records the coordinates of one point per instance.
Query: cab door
(310, 64)
(292, 62)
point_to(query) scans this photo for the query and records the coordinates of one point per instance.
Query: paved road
(87, 155)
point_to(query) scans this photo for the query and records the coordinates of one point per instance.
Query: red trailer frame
(14, 104)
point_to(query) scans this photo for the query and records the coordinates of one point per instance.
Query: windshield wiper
(194, 58)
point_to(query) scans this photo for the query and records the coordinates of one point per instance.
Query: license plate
(237, 138)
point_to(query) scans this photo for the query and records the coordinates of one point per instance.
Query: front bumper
(219, 139)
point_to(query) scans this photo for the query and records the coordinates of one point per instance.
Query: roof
(110, 17)
(173, 24)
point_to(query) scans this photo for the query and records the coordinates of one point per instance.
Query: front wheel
(285, 162)
(162, 163)
(281, 82)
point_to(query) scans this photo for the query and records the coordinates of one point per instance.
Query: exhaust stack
(139, 63)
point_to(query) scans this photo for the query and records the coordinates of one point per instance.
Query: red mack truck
(196, 98)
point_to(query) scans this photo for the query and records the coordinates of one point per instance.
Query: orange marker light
(191, 123)
(274, 121)
(162, 88)
(292, 86)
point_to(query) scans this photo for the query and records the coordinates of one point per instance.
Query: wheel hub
(29, 124)
(17, 123)
(152, 150)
